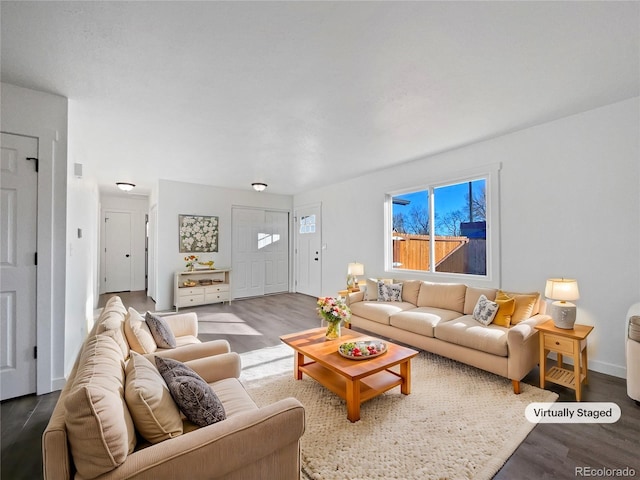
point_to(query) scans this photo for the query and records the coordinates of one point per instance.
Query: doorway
(18, 264)
(308, 251)
(117, 251)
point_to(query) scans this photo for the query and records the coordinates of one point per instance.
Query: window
(443, 228)
(308, 224)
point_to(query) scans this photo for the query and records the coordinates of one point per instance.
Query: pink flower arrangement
(333, 310)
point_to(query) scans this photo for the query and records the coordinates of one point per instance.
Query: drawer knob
(557, 343)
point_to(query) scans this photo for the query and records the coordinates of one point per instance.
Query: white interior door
(18, 241)
(117, 254)
(275, 245)
(308, 250)
(247, 263)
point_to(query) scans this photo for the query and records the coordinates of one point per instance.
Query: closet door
(276, 252)
(260, 256)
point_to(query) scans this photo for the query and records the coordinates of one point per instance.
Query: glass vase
(333, 330)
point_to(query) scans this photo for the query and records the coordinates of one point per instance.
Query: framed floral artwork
(198, 233)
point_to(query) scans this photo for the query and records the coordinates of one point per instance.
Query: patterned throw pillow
(485, 310)
(194, 396)
(160, 331)
(389, 292)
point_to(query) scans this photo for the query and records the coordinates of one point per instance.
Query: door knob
(127, 255)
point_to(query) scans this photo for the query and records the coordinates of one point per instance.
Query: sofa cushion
(526, 304)
(449, 296)
(389, 292)
(160, 331)
(379, 311)
(138, 333)
(466, 331)
(112, 325)
(410, 291)
(421, 320)
(155, 414)
(472, 295)
(100, 429)
(193, 395)
(485, 310)
(233, 396)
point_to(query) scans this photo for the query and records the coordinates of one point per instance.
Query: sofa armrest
(354, 297)
(234, 444)
(523, 331)
(194, 351)
(183, 324)
(218, 367)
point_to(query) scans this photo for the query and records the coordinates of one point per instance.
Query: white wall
(569, 207)
(44, 116)
(176, 198)
(138, 207)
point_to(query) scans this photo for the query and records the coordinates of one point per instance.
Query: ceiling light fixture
(258, 186)
(125, 186)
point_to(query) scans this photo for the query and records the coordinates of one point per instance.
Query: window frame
(491, 175)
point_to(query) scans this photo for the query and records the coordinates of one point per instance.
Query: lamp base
(563, 314)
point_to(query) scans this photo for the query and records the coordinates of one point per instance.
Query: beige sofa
(632, 348)
(438, 318)
(115, 418)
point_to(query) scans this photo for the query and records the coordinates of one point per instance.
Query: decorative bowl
(362, 349)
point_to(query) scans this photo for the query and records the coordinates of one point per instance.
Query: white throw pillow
(389, 293)
(485, 310)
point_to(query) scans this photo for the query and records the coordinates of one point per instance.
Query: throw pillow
(525, 303)
(505, 311)
(485, 310)
(155, 414)
(160, 331)
(389, 292)
(194, 396)
(371, 289)
(138, 333)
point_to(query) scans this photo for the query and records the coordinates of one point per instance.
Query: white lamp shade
(355, 269)
(563, 289)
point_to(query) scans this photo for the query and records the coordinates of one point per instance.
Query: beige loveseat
(115, 418)
(438, 318)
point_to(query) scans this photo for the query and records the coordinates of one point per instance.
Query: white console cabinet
(211, 286)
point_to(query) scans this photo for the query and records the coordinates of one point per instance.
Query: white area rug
(458, 422)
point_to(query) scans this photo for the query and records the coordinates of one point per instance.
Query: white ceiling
(300, 94)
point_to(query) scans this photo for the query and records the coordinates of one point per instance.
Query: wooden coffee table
(356, 381)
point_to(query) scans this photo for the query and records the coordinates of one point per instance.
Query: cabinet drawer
(189, 291)
(223, 287)
(186, 300)
(558, 344)
(216, 297)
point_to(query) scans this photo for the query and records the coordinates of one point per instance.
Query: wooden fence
(452, 254)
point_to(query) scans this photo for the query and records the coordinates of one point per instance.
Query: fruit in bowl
(362, 349)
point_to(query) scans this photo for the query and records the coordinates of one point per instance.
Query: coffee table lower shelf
(369, 386)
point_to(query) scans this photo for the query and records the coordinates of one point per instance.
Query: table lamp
(353, 270)
(562, 311)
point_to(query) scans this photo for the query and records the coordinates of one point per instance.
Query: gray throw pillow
(389, 293)
(160, 331)
(192, 394)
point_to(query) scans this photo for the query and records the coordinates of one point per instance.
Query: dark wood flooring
(551, 451)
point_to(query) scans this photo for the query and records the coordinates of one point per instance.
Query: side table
(564, 342)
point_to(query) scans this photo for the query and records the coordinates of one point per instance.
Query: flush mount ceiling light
(258, 186)
(125, 186)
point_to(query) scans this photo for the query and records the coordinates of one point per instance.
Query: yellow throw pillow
(524, 304)
(506, 307)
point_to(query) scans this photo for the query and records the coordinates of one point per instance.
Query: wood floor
(551, 451)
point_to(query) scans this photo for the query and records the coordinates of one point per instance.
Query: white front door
(117, 254)
(275, 245)
(308, 250)
(18, 240)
